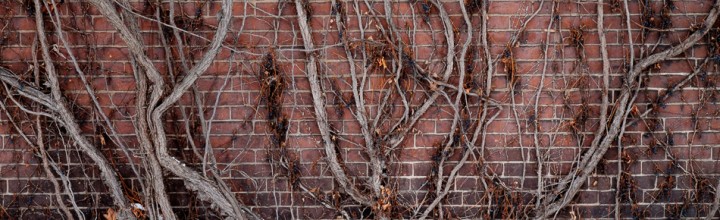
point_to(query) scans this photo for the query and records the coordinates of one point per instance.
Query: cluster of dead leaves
(384, 204)
(111, 214)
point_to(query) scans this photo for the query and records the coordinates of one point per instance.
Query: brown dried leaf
(386, 207)
(382, 63)
(433, 86)
(110, 215)
(315, 190)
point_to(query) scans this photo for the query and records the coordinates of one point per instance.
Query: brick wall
(667, 168)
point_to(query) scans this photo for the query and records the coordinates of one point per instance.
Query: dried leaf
(382, 63)
(138, 210)
(386, 207)
(658, 66)
(635, 110)
(433, 86)
(110, 215)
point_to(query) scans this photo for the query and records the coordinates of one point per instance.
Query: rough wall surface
(666, 166)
